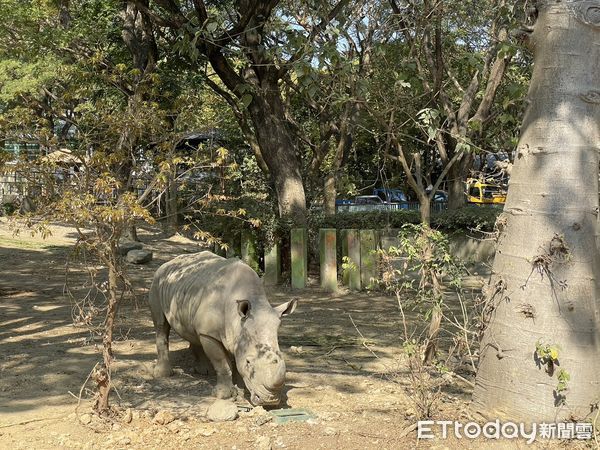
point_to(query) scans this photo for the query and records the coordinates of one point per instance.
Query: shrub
(9, 208)
(468, 218)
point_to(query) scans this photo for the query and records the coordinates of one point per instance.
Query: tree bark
(279, 152)
(329, 193)
(457, 175)
(544, 290)
(102, 376)
(425, 208)
(171, 207)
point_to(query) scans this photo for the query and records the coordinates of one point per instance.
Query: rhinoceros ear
(243, 308)
(285, 309)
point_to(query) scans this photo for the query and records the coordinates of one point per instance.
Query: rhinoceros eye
(247, 362)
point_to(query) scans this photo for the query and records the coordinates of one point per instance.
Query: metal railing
(406, 206)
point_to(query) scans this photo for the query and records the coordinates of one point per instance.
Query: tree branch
(313, 34)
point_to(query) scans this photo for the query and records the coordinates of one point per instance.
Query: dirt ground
(342, 352)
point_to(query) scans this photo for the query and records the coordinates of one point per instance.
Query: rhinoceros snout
(265, 399)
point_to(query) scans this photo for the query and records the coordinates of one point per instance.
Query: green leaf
(211, 27)
(246, 100)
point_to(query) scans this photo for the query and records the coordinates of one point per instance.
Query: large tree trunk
(544, 290)
(280, 154)
(457, 175)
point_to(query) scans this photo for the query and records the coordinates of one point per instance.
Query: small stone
(222, 410)
(329, 431)
(241, 430)
(125, 441)
(139, 256)
(128, 416)
(294, 349)
(261, 420)
(126, 246)
(176, 426)
(163, 417)
(185, 436)
(85, 419)
(207, 432)
(115, 427)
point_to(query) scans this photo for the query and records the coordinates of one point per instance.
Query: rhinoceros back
(197, 293)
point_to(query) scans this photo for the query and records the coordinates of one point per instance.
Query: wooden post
(233, 247)
(299, 252)
(248, 245)
(272, 275)
(353, 272)
(368, 257)
(327, 256)
(344, 254)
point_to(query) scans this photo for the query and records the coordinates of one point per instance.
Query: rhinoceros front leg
(222, 365)
(203, 365)
(163, 365)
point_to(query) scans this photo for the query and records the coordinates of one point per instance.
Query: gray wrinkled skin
(220, 307)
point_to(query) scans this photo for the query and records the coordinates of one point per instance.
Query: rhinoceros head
(257, 356)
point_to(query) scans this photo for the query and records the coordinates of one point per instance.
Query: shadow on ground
(332, 343)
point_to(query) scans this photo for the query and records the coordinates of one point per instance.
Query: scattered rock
(261, 420)
(126, 246)
(139, 256)
(186, 436)
(115, 427)
(295, 349)
(262, 443)
(329, 431)
(85, 419)
(222, 410)
(177, 426)
(148, 414)
(163, 417)
(257, 411)
(124, 441)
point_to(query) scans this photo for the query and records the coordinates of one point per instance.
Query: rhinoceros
(220, 307)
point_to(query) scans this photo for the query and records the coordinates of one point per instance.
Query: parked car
(390, 195)
(368, 200)
(440, 196)
(480, 193)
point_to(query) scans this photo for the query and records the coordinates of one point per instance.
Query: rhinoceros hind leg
(202, 365)
(163, 365)
(219, 359)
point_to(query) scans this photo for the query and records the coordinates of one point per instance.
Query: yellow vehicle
(481, 193)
